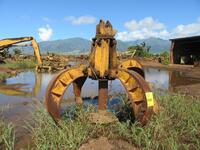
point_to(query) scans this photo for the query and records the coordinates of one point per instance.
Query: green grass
(72, 132)
(4, 76)
(176, 126)
(22, 64)
(7, 136)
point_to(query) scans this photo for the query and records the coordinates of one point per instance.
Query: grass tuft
(4, 76)
(72, 132)
(7, 136)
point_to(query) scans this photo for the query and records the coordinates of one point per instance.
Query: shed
(185, 51)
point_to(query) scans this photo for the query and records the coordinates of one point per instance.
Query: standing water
(30, 86)
(19, 94)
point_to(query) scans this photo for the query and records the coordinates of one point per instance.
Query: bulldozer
(103, 65)
(9, 42)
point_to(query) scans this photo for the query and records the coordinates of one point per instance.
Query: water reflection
(12, 88)
(159, 78)
(29, 85)
(184, 82)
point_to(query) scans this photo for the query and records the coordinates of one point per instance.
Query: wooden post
(172, 53)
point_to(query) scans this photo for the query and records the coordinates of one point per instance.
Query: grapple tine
(139, 105)
(77, 86)
(56, 89)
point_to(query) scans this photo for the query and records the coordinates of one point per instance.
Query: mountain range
(81, 45)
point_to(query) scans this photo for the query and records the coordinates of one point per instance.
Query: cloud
(149, 27)
(146, 23)
(198, 19)
(80, 20)
(45, 33)
(187, 30)
(142, 34)
(142, 29)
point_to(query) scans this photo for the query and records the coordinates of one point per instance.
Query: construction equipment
(6, 43)
(103, 65)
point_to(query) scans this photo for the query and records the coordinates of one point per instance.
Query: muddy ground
(103, 143)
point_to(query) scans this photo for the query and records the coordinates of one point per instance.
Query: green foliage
(165, 57)
(7, 136)
(165, 54)
(22, 64)
(141, 50)
(5, 53)
(74, 131)
(17, 51)
(3, 76)
(166, 62)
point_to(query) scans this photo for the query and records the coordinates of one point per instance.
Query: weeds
(176, 126)
(7, 136)
(3, 76)
(72, 132)
(22, 64)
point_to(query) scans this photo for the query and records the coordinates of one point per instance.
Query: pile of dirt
(103, 143)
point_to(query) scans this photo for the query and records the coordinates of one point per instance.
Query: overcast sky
(134, 19)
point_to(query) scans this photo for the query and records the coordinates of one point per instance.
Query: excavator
(6, 43)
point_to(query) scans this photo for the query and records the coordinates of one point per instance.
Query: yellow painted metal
(103, 66)
(6, 43)
(102, 58)
(57, 88)
(130, 63)
(138, 92)
(36, 51)
(103, 55)
(105, 29)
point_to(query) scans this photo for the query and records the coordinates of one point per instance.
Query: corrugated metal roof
(191, 38)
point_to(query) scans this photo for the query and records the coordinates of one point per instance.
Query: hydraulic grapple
(103, 65)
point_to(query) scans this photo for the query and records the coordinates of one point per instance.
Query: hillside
(80, 45)
(66, 46)
(157, 45)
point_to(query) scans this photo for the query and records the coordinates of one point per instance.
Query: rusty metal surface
(103, 94)
(77, 86)
(136, 87)
(57, 88)
(103, 65)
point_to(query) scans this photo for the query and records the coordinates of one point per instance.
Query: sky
(134, 19)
